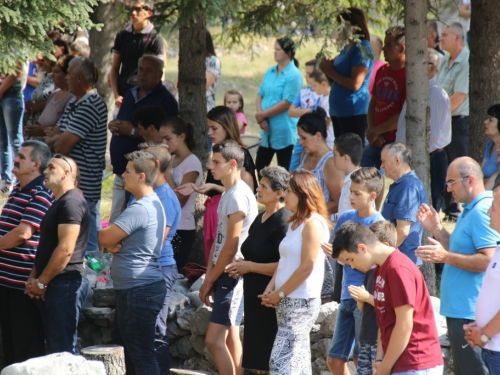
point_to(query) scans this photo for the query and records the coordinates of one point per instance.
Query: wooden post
(112, 356)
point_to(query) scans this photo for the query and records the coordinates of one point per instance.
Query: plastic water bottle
(102, 280)
(94, 263)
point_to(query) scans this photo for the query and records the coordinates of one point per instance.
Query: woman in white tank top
(295, 289)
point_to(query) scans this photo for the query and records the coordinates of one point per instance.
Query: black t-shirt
(249, 166)
(369, 328)
(131, 46)
(71, 208)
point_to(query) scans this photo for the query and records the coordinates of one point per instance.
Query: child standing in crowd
(408, 341)
(321, 86)
(305, 102)
(365, 186)
(236, 212)
(234, 100)
(387, 234)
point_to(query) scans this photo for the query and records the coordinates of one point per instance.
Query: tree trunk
(193, 103)
(100, 45)
(112, 356)
(484, 89)
(417, 101)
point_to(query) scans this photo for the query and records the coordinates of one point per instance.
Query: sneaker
(5, 189)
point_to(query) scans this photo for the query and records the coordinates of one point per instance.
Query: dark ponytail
(288, 46)
(179, 126)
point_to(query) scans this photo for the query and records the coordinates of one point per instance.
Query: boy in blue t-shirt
(387, 234)
(365, 186)
(305, 102)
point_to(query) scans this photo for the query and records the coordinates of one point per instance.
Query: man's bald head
(467, 166)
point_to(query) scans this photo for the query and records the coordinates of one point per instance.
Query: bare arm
(114, 73)
(187, 178)
(297, 111)
(477, 262)
(403, 230)
(456, 99)
(7, 83)
(464, 11)
(371, 112)
(334, 181)
(17, 236)
(276, 109)
(111, 236)
(67, 234)
(65, 144)
(354, 81)
(210, 79)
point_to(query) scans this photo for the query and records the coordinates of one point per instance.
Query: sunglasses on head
(60, 156)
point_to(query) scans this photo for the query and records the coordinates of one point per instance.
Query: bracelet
(378, 360)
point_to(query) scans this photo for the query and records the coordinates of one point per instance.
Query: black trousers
(21, 325)
(458, 147)
(265, 155)
(182, 244)
(350, 124)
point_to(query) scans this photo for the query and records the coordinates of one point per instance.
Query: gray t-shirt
(137, 262)
(238, 198)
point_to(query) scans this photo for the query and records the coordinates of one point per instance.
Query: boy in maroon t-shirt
(408, 342)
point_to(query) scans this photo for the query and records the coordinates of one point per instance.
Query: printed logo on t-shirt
(388, 93)
(378, 294)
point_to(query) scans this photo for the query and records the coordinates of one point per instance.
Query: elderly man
(20, 320)
(138, 38)
(465, 254)
(453, 77)
(405, 196)
(432, 36)
(83, 128)
(440, 126)
(485, 331)
(136, 240)
(126, 133)
(58, 279)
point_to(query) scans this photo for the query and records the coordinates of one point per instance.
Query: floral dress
(212, 64)
(42, 92)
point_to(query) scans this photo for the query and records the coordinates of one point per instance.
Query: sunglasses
(60, 156)
(138, 9)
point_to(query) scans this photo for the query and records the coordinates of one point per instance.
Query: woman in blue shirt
(279, 88)
(489, 165)
(350, 74)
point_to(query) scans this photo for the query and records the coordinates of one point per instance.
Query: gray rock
(195, 298)
(197, 284)
(315, 334)
(181, 285)
(104, 297)
(182, 348)
(328, 325)
(200, 320)
(199, 363)
(184, 316)
(208, 356)
(56, 364)
(321, 348)
(326, 310)
(174, 331)
(100, 313)
(319, 367)
(176, 302)
(198, 343)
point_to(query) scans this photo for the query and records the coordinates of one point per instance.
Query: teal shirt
(275, 88)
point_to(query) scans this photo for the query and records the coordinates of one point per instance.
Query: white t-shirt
(488, 300)
(239, 197)
(344, 201)
(324, 102)
(190, 164)
(290, 255)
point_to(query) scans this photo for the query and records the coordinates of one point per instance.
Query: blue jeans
(297, 151)
(95, 224)
(161, 338)
(439, 166)
(11, 134)
(492, 360)
(438, 370)
(61, 310)
(134, 326)
(346, 330)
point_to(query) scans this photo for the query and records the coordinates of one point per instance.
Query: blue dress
(490, 161)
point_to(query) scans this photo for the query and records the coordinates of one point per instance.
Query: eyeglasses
(138, 9)
(450, 183)
(60, 156)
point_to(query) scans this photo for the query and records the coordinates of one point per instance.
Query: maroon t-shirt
(390, 93)
(399, 282)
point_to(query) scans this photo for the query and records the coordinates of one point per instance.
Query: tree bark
(112, 356)
(417, 101)
(193, 103)
(484, 90)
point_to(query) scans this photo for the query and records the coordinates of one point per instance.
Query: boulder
(199, 363)
(197, 284)
(182, 348)
(195, 298)
(327, 326)
(184, 317)
(100, 313)
(181, 285)
(104, 297)
(198, 343)
(176, 302)
(56, 364)
(200, 320)
(174, 331)
(321, 348)
(326, 310)
(319, 367)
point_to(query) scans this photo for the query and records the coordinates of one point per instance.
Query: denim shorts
(227, 308)
(346, 331)
(492, 360)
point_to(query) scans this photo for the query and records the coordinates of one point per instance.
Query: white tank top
(290, 254)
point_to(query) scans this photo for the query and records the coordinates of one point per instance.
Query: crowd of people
(327, 231)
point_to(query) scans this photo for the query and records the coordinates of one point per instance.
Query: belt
(437, 151)
(460, 116)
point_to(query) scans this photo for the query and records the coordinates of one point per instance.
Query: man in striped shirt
(83, 136)
(20, 321)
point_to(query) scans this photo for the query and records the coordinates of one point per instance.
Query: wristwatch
(40, 285)
(132, 133)
(281, 294)
(484, 338)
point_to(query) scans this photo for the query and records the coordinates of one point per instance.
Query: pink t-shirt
(376, 65)
(241, 117)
